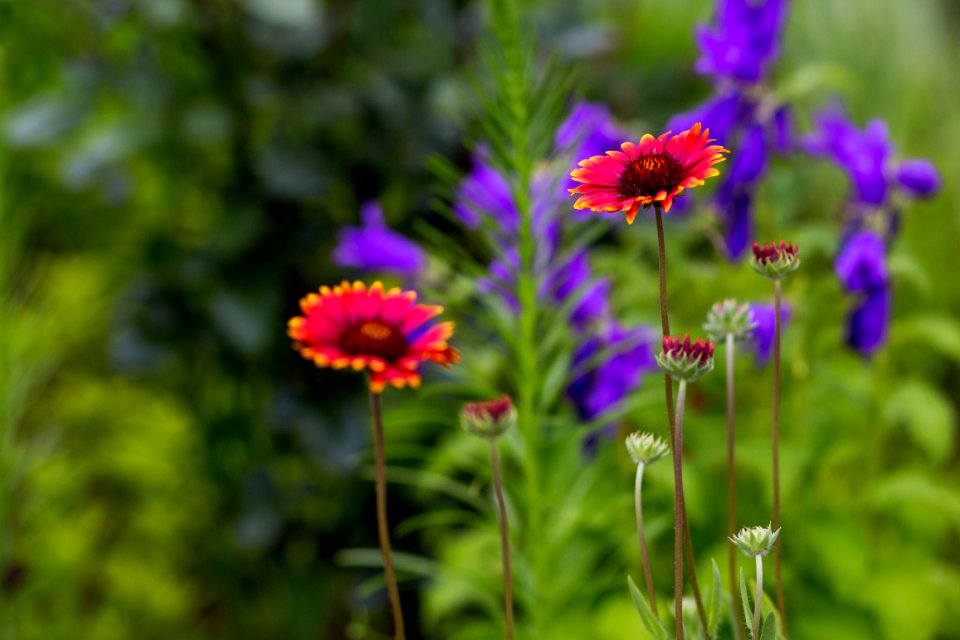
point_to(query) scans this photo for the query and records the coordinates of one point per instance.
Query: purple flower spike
(485, 194)
(738, 222)
(867, 324)
(720, 114)
(862, 263)
(919, 178)
(374, 247)
(743, 42)
(761, 339)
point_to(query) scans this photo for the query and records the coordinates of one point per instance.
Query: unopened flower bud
(489, 418)
(756, 541)
(685, 360)
(775, 261)
(646, 448)
(729, 318)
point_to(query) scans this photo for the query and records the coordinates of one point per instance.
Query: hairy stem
(382, 528)
(647, 572)
(687, 545)
(758, 599)
(504, 542)
(781, 604)
(732, 489)
(678, 511)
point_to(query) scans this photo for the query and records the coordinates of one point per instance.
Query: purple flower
(720, 114)
(918, 178)
(484, 194)
(737, 210)
(602, 387)
(868, 322)
(862, 263)
(374, 247)
(744, 40)
(761, 338)
(588, 131)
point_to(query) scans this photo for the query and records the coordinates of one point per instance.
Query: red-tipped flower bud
(489, 418)
(775, 261)
(686, 360)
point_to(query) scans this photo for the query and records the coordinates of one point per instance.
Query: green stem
(504, 542)
(382, 527)
(678, 510)
(781, 604)
(732, 489)
(647, 571)
(758, 599)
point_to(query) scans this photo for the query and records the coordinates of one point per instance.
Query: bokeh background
(175, 173)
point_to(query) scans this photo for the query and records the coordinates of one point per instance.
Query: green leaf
(714, 602)
(745, 601)
(926, 415)
(654, 626)
(769, 628)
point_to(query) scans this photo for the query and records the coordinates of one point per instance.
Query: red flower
(652, 172)
(700, 351)
(383, 331)
(767, 253)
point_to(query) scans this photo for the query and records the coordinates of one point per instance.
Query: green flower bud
(489, 418)
(646, 448)
(729, 317)
(756, 541)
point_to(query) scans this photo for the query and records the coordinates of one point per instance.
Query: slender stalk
(647, 572)
(678, 511)
(504, 542)
(686, 543)
(732, 489)
(382, 528)
(758, 600)
(781, 604)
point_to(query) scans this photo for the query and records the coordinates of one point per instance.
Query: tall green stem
(382, 527)
(504, 542)
(781, 604)
(678, 510)
(732, 488)
(758, 599)
(647, 571)
(687, 542)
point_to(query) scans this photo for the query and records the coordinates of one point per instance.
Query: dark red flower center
(495, 409)
(772, 252)
(648, 175)
(373, 338)
(701, 350)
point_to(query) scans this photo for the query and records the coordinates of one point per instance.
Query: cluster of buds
(646, 448)
(685, 360)
(755, 541)
(729, 318)
(489, 418)
(775, 261)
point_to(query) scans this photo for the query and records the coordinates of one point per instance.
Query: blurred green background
(174, 174)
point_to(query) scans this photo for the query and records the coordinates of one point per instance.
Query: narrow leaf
(745, 601)
(714, 602)
(654, 626)
(769, 628)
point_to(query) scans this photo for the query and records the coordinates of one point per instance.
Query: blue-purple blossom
(869, 321)
(744, 40)
(918, 178)
(484, 194)
(374, 247)
(588, 131)
(762, 336)
(862, 263)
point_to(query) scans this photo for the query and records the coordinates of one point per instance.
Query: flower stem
(668, 393)
(732, 489)
(678, 510)
(504, 542)
(781, 604)
(647, 572)
(758, 599)
(382, 528)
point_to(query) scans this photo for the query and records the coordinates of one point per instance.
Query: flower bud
(775, 261)
(755, 541)
(729, 318)
(489, 418)
(646, 448)
(685, 360)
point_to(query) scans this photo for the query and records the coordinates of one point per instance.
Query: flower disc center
(373, 338)
(648, 175)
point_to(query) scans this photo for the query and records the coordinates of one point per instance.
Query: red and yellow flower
(651, 172)
(367, 328)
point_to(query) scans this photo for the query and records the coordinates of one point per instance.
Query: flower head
(375, 247)
(646, 448)
(651, 172)
(775, 261)
(862, 263)
(489, 418)
(755, 541)
(868, 323)
(744, 41)
(385, 332)
(729, 317)
(685, 360)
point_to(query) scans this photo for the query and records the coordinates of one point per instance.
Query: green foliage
(650, 621)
